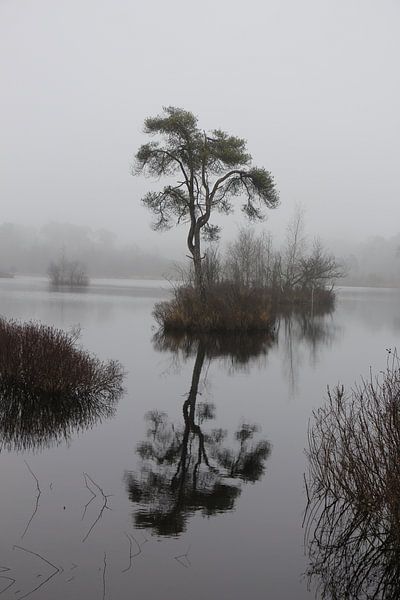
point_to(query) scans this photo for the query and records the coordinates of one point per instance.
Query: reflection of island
(186, 469)
(49, 388)
(239, 349)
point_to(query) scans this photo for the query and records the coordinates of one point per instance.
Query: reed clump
(353, 486)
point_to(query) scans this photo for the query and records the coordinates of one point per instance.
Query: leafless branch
(39, 492)
(183, 559)
(104, 575)
(9, 585)
(91, 499)
(56, 570)
(132, 555)
(103, 507)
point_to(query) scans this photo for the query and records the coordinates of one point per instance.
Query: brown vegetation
(227, 308)
(49, 387)
(246, 290)
(238, 348)
(353, 485)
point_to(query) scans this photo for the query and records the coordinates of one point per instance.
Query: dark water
(193, 486)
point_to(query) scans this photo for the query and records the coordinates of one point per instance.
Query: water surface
(193, 486)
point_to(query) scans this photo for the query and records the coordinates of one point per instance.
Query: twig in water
(104, 576)
(39, 492)
(104, 506)
(91, 499)
(183, 559)
(145, 540)
(131, 556)
(56, 569)
(9, 585)
(100, 489)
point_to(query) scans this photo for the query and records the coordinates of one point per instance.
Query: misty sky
(313, 85)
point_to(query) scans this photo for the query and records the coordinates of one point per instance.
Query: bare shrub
(50, 387)
(250, 259)
(66, 272)
(319, 268)
(245, 289)
(353, 514)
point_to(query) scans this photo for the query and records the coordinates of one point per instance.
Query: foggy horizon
(30, 250)
(210, 411)
(312, 87)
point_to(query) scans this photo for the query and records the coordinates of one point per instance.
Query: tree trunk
(198, 276)
(198, 269)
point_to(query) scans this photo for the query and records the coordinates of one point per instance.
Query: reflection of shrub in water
(49, 387)
(239, 348)
(353, 512)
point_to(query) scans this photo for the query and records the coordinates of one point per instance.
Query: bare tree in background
(66, 272)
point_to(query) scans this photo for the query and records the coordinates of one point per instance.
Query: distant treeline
(374, 262)
(28, 250)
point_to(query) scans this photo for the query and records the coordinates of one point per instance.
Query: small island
(245, 290)
(67, 273)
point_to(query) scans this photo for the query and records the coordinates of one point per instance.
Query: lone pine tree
(209, 169)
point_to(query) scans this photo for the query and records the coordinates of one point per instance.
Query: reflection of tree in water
(299, 329)
(186, 469)
(353, 511)
(239, 350)
(49, 388)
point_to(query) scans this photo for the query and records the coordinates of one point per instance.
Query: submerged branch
(39, 492)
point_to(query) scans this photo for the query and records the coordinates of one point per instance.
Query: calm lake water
(194, 487)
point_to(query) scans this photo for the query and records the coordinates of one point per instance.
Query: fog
(30, 251)
(313, 86)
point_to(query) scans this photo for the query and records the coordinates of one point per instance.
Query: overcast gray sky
(313, 85)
